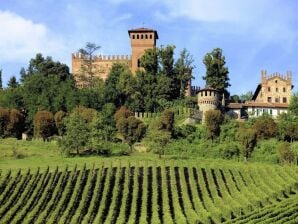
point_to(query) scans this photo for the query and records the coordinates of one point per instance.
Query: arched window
(150, 36)
(146, 36)
(133, 36)
(142, 36)
(139, 63)
(137, 36)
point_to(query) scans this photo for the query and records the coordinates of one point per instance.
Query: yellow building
(140, 40)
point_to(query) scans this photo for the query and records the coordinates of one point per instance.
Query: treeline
(47, 85)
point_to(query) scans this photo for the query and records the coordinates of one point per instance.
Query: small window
(142, 36)
(146, 36)
(205, 93)
(133, 36)
(139, 63)
(276, 90)
(268, 89)
(150, 36)
(276, 100)
(269, 99)
(284, 89)
(137, 36)
(275, 81)
(284, 99)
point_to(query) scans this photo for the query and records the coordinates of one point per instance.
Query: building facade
(272, 96)
(140, 40)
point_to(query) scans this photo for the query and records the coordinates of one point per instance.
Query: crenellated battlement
(78, 55)
(286, 77)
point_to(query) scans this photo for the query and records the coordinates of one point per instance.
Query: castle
(140, 40)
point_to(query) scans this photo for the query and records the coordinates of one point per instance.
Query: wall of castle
(207, 100)
(275, 88)
(101, 65)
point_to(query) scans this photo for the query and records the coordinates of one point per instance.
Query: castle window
(275, 81)
(284, 99)
(284, 89)
(137, 36)
(276, 89)
(205, 93)
(139, 63)
(276, 100)
(150, 36)
(142, 36)
(133, 36)
(269, 99)
(268, 89)
(146, 36)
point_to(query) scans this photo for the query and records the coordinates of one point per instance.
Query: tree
(293, 106)
(4, 120)
(213, 120)
(158, 140)
(131, 129)
(15, 125)
(287, 127)
(235, 99)
(285, 154)
(12, 82)
(59, 122)
(216, 72)
(23, 74)
(44, 125)
(246, 96)
(183, 69)
(167, 120)
(265, 127)
(123, 112)
(77, 133)
(248, 140)
(87, 67)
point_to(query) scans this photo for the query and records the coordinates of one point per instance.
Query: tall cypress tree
(216, 71)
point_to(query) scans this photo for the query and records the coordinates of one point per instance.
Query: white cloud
(21, 38)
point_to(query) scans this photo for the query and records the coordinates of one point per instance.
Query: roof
(266, 105)
(254, 97)
(208, 89)
(143, 30)
(235, 105)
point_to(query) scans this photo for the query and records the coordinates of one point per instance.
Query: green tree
(59, 122)
(285, 154)
(248, 139)
(15, 125)
(4, 120)
(265, 127)
(12, 82)
(77, 134)
(213, 120)
(246, 96)
(287, 127)
(88, 69)
(131, 129)
(158, 140)
(183, 69)
(44, 125)
(216, 71)
(167, 120)
(293, 106)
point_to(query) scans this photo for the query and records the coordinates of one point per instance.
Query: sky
(253, 34)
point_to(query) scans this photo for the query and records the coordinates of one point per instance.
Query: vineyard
(148, 192)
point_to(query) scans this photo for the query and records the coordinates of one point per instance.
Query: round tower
(208, 99)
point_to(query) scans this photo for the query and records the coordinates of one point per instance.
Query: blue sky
(254, 34)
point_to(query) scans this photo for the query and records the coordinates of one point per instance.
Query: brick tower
(140, 40)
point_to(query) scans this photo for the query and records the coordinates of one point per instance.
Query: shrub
(44, 125)
(123, 112)
(59, 121)
(286, 155)
(213, 120)
(4, 120)
(265, 127)
(15, 125)
(86, 113)
(230, 150)
(248, 140)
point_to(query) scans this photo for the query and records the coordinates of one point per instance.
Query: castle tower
(208, 99)
(140, 40)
